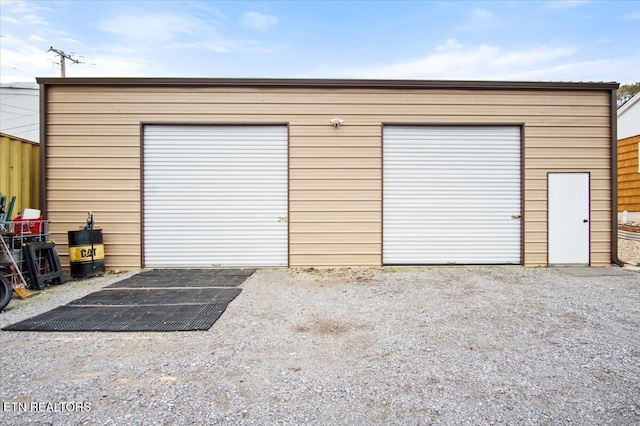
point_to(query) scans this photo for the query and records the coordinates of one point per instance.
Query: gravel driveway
(468, 345)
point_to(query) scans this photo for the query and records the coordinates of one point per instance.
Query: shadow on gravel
(595, 272)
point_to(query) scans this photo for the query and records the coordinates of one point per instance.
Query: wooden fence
(628, 175)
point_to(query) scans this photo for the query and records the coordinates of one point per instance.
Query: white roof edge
(634, 100)
(20, 85)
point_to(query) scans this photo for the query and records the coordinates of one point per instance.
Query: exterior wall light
(336, 121)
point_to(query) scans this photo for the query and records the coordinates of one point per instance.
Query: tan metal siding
(335, 174)
(628, 175)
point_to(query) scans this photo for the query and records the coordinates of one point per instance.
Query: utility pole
(63, 57)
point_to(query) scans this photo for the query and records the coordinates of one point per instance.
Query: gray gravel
(495, 345)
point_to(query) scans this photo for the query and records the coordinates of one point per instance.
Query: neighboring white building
(20, 110)
(629, 118)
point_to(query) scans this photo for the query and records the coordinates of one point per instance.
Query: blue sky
(509, 40)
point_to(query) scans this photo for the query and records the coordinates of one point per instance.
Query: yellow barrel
(86, 253)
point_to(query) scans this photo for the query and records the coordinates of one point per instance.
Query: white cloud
(204, 8)
(21, 61)
(632, 16)
(21, 12)
(453, 61)
(114, 66)
(216, 46)
(172, 31)
(9, 19)
(258, 21)
(136, 42)
(621, 69)
(155, 27)
(479, 20)
(481, 14)
(254, 46)
(451, 44)
(565, 4)
(219, 46)
(34, 19)
(15, 6)
(26, 36)
(519, 59)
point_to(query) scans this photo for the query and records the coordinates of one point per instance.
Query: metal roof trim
(327, 83)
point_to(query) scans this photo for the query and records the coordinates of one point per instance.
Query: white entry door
(568, 210)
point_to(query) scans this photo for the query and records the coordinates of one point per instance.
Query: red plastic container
(27, 226)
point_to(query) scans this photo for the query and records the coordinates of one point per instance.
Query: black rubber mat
(164, 278)
(161, 296)
(155, 300)
(124, 318)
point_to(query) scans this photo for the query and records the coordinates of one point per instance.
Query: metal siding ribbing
(215, 195)
(450, 193)
(20, 172)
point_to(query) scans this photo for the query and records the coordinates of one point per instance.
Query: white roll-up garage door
(215, 196)
(451, 195)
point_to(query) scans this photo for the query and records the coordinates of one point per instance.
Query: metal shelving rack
(16, 235)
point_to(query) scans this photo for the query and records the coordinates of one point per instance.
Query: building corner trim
(614, 180)
(43, 150)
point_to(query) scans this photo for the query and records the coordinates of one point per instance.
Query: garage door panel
(215, 196)
(451, 194)
(436, 225)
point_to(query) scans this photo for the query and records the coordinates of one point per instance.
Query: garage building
(332, 173)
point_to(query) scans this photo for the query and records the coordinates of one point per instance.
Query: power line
(18, 127)
(13, 68)
(21, 117)
(17, 107)
(63, 57)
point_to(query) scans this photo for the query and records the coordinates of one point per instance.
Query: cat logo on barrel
(86, 253)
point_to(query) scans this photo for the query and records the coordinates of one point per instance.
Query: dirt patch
(328, 327)
(324, 328)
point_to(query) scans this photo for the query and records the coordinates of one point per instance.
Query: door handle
(515, 216)
(283, 219)
(585, 220)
